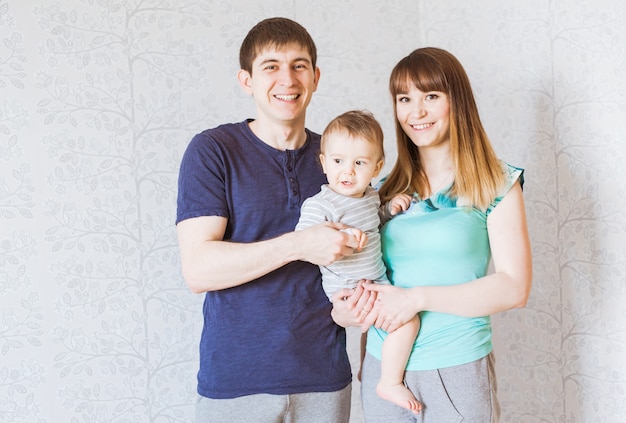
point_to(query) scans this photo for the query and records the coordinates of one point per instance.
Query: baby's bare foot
(399, 395)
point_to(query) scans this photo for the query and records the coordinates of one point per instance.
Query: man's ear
(317, 77)
(245, 80)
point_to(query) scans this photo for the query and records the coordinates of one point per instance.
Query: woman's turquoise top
(440, 242)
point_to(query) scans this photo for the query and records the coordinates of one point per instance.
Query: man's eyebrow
(266, 61)
(273, 60)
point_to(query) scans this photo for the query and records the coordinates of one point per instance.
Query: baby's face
(350, 163)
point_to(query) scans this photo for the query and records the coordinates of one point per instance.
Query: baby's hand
(399, 203)
(359, 236)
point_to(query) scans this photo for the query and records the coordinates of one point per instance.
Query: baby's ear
(323, 162)
(379, 167)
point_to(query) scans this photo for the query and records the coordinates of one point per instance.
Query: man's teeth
(287, 97)
(422, 126)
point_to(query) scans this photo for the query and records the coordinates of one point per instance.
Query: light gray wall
(99, 99)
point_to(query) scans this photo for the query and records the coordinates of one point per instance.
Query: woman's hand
(393, 307)
(352, 306)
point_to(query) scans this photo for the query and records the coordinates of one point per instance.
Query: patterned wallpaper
(98, 100)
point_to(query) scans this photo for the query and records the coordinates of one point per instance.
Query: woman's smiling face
(424, 116)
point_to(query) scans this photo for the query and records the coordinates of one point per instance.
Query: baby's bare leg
(396, 350)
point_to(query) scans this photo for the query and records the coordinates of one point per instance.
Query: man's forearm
(216, 265)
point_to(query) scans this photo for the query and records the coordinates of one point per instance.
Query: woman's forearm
(482, 297)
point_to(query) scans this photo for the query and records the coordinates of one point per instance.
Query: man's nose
(286, 77)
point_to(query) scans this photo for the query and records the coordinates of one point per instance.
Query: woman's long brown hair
(478, 174)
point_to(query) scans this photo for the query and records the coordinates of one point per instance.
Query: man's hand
(359, 238)
(351, 307)
(324, 243)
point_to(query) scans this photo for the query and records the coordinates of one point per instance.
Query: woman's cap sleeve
(513, 174)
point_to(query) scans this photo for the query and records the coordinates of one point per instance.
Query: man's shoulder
(224, 137)
(225, 130)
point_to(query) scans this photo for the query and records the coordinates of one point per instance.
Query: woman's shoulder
(512, 174)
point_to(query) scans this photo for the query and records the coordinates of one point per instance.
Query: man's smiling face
(282, 83)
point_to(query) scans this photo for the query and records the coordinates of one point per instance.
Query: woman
(462, 207)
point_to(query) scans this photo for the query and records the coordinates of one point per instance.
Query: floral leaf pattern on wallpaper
(21, 315)
(115, 83)
(579, 363)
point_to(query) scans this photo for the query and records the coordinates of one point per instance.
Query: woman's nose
(419, 110)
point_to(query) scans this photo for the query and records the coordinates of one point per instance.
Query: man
(269, 350)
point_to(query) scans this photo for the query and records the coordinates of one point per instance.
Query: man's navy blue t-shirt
(274, 334)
